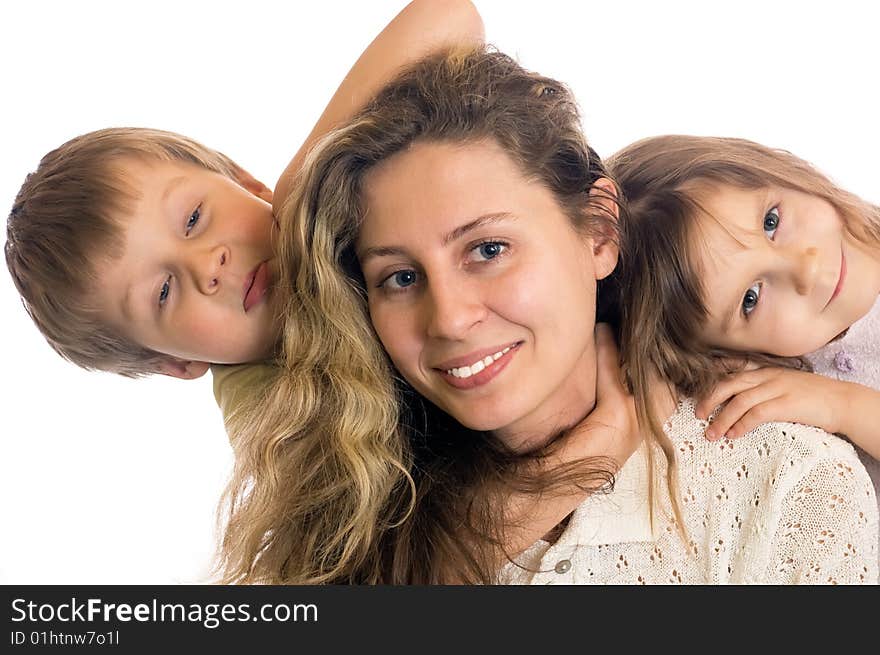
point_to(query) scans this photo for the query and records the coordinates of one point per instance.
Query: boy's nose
(208, 270)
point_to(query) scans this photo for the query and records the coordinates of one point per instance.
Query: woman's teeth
(476, 367)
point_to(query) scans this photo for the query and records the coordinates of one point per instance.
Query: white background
(107, 480)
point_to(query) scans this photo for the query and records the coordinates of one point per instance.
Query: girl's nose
(805, 270)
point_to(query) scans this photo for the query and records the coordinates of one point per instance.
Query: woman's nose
(452, 310)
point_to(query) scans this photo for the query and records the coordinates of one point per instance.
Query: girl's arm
(776, 394)
(421, 28)
(861, 417)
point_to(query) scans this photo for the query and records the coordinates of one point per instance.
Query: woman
(444, 252)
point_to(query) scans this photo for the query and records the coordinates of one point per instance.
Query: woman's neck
(562, 409)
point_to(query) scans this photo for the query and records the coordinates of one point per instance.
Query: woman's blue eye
(400, 280)
(489, 249)
(193, 219)
(750, 299)
(771, 222)
(163, 293)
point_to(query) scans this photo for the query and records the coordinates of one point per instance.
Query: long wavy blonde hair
(343, 473)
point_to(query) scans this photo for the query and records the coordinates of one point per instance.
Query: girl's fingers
(729, 387)
(770, 410)
(736, 409)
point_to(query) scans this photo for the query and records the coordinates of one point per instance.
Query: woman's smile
(482, 370)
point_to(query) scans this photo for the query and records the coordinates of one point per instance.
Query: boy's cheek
(202, 331)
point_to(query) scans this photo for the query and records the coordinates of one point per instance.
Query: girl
(749, 254)
(442, 254)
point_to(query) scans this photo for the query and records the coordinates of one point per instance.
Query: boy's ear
(182, 368)
(605, 249)
(253, 185)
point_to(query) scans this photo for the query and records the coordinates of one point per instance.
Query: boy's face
(195, 278)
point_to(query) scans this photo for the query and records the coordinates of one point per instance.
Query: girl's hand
(611, 429)
(774, 394)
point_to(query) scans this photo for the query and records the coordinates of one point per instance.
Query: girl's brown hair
(663, 180)
(343, 472)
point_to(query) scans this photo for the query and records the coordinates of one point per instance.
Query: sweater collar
(619, 516)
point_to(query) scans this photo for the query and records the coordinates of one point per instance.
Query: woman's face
(481, 290)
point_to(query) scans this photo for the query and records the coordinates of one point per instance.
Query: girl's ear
(605, 250)
(253, 185)
(183, 369)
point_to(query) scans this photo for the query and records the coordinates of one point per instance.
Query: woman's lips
(486, 373)
(255, 285)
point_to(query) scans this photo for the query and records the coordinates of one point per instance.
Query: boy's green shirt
(236, 384)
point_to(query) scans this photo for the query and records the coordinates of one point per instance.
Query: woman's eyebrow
(455, 234)
(379, 251)
(480, 221)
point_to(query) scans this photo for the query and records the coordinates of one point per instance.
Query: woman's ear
(253, 185)
(603, 194)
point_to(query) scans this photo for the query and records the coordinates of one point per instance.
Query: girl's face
(481, 290)
(781, 273)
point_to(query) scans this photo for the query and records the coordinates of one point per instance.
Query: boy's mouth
(255, 285)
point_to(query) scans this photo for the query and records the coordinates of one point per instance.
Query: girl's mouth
(840, 279)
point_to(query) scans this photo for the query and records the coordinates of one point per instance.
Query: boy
(140, 251)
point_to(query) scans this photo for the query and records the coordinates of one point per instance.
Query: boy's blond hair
(67, 217)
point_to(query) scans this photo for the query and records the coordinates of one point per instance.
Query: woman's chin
(478, 424)
(480, 421)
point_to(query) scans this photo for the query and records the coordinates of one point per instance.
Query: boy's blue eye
(193, 219)
(164, 291)
(771, 222)
(750, 299)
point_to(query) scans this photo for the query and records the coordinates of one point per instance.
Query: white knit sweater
(784, 504)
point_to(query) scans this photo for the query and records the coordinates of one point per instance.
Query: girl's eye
(400, 280)
(193, 219)
(750, 299)
(489, 250)
(164, 291)
(771, 222)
